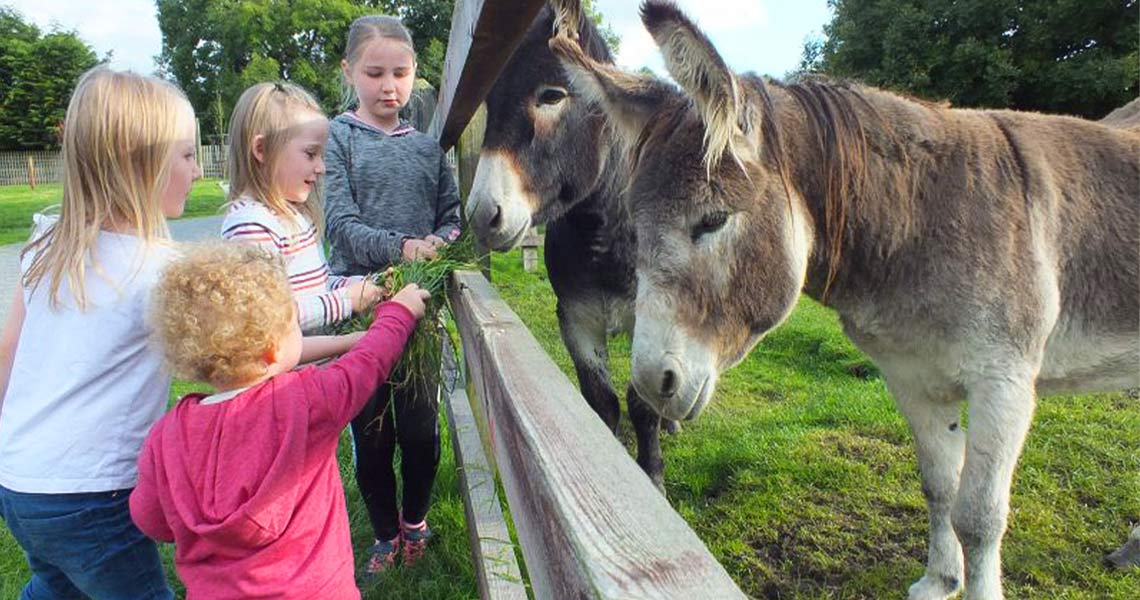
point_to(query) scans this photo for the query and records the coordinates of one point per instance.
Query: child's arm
(447, 224)
(9, 340)
(319, 347)
(314, 311)
(360, 242)
(347, 383)
(146, 511)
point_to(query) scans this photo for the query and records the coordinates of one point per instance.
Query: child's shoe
(381, 557)
(415, 540)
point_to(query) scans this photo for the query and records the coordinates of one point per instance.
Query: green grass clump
(422, 357)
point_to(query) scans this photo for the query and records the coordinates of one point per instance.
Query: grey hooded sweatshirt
(381, 189)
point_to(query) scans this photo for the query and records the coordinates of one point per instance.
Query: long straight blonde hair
(118, 142)
(269, 110)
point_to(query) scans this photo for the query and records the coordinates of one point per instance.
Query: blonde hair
(269, 110)
(218, 308)
(118, 141)
(362, 31)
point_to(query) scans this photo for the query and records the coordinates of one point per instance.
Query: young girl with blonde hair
(276, 159)
(81, 384)
(390, 197)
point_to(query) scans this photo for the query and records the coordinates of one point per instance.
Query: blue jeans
(83, 546)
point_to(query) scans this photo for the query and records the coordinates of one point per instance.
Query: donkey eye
(551, 95)
(710, 223)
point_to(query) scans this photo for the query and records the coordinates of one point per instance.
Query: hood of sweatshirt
(234, 493)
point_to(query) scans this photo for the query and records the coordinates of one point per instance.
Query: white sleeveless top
(85, 386)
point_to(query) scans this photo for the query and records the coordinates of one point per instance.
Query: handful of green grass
(422, 354)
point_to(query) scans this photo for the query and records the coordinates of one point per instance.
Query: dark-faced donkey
(549, 157)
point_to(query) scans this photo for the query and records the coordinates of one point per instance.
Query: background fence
(18, 167)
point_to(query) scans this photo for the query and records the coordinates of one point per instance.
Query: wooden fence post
(530, 243)
(31, 172)
(467, 156)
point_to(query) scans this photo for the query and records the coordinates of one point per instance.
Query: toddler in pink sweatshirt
(245, 481)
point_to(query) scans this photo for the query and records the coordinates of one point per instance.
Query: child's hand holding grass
(365, 295)
(416, 249)
(413, 298)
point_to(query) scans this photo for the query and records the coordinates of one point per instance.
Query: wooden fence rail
(589, 522)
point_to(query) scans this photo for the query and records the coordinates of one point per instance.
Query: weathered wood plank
(496, 568)
(484, 34)
(590, 523)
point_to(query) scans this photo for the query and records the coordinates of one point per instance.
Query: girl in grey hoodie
(389, 197)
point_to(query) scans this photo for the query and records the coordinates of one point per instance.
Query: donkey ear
(567, 17)
(703, 74)
(629, 100)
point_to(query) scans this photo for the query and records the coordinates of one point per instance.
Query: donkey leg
(940, 445)
(1127, 555)
(647, 425)
(583, 328)
(1001, 410)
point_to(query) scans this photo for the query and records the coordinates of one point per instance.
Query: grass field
(801, 477)
(19, 202)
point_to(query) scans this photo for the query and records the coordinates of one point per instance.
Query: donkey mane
(845, 127)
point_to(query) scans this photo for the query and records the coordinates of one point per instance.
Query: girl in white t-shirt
(81, 386)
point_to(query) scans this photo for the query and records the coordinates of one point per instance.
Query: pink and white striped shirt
(322, 299)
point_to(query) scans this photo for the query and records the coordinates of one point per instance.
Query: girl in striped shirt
(276, 158)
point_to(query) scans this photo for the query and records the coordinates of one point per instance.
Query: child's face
(383, 78)
(302, 160)
(184, 168)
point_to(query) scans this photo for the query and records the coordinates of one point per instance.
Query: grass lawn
(19, 202)
(801, 478)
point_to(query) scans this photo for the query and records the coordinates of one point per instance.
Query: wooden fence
(45, 166)
(22, 168)
(589, 522)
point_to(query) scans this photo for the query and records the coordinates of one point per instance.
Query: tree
(37, 74)
(214, 49)
(612, 39)
(1062, 56)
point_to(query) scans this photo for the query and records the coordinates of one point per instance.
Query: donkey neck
(852, 161)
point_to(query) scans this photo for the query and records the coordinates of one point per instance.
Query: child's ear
(259, 148)
(270, 355)
(344, 69)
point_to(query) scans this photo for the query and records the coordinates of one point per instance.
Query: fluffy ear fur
(629, 100)
(567, 17)
(692, 61)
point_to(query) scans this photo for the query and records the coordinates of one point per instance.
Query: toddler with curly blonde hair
(245, 481)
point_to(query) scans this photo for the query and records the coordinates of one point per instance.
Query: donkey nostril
(669, 383)
(498, 218)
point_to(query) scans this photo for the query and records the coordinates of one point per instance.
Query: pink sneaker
(416, 537)
(381, 556)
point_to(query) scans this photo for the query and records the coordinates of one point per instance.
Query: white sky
(765, 36)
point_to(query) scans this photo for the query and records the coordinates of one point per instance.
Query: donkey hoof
(1126, 556)
(934, 587)
(672, 427)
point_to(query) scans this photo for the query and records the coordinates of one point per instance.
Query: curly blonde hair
(218, 308)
